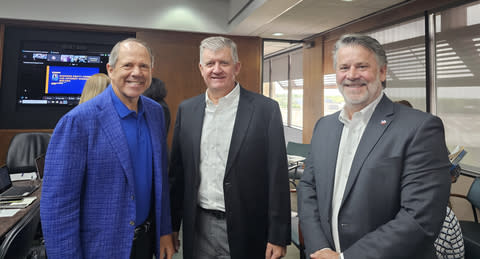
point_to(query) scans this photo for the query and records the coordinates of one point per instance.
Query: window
(404, 45)
(283, 82)
(457, 38)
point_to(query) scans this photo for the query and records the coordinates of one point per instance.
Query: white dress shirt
(214, 147)
(351, 134)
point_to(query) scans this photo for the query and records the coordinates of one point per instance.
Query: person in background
(158, 92)
(105, 190)
(228, 166)
(376, 182)
(405, 102)
(94, 86)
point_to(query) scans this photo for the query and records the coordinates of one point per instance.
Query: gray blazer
(396, 194)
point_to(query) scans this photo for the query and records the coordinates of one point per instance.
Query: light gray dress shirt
(214, 147)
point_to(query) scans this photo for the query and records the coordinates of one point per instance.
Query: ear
(383, 73)
(109, 70)
(238, 66)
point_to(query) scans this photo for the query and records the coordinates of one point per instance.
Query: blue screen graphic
(68, 80)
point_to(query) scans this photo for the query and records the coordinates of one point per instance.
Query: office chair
(297, 149)
(23, 150)
(18, 242)
(471, 230)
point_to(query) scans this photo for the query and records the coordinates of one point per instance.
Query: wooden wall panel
(177, 58)
(313, 71)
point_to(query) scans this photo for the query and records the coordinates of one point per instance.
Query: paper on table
(18, 204)
(8, 212)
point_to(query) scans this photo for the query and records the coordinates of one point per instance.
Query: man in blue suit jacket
(105, 191)
(376, 182)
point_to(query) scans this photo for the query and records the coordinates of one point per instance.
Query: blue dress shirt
(139, 144)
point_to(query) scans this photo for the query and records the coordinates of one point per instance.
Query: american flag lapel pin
(383, 122)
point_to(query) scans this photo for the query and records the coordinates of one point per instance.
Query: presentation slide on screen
(67, 80)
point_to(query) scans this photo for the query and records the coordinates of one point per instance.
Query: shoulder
(256, 98)
(193, 101)
(150, 103)
(410, 116)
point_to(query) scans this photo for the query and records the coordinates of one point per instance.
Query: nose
(136, 70)
(217, 68)
(352, 73)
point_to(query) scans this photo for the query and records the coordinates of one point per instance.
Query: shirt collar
(121, 108)
(230, 97)
(364, 114)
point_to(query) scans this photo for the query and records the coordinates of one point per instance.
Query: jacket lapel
(196, 116)
(332, 143)
(242, 122)
(378, 123)
(110, 123)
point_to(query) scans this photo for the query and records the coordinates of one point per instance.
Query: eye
(144, 66)
(343, 68)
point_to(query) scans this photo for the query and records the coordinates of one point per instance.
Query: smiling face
(359, 78)
(219, 71)
(132, 73)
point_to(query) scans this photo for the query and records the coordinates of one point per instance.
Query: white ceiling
(296, 19)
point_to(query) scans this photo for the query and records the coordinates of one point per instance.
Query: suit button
(132, 223)
(132, 197)
(344, 225)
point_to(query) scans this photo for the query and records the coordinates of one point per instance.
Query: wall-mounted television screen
(54, 73)
(44, 71)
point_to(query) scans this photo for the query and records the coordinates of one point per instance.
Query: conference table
(294, 161)
(11, 226)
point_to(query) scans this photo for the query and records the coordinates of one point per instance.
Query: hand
(166, 247)
(325, 253)
(274, 251)
(176, 241)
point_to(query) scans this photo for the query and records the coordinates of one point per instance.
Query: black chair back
(23, 150)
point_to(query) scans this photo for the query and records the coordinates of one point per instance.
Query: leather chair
(471, 229)
(23, 149)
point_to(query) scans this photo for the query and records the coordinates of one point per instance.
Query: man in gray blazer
(376, 182)
(229, 166)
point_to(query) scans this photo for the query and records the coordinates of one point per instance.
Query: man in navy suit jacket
(105, 191)
(376, 182)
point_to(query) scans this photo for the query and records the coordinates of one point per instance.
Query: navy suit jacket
(87, 207)
(396, 193)
(256, 191)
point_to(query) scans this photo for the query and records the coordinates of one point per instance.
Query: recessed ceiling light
(277, 34)
(347, 0)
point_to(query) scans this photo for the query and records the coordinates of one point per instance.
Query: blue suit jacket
(396, 193)
(87, 206)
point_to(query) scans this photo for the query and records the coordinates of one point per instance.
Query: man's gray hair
(112, 59)
(217, 43)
